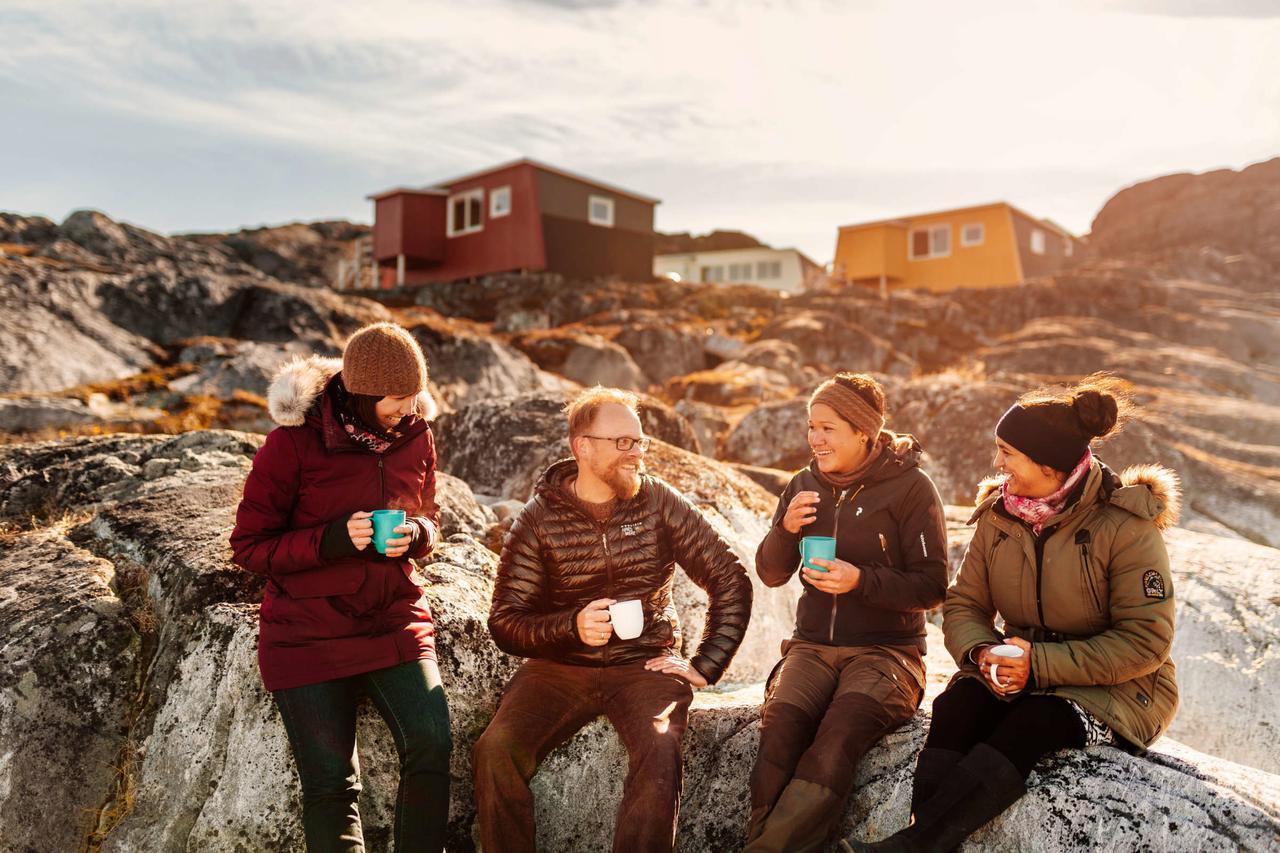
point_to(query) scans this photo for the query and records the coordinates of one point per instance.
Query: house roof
(442, 187)
(905, 221)
(406, 191)
(802, 255)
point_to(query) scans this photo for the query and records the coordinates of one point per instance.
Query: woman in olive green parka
(1071, 559)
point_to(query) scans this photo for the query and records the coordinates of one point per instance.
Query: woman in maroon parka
(339, 620)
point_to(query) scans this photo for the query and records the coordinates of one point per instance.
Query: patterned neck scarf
(357, 430)
(1040, 511)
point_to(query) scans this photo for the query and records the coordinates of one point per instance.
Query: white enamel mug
(1002, 651)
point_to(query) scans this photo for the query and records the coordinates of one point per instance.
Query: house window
(466, 212)
(500, 202)
(1037, 242)
(933, 242)
(1068, 247)
(600, 210)
(740, 272)
(769, 269)
(710, 274)
(972, 235)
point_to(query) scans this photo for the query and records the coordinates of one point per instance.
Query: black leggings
(1022, 730)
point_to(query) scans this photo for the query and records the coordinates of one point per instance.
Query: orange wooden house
(989, 245)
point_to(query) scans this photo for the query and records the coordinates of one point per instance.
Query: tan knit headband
(850, 406)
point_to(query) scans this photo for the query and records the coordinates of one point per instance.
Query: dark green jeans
(320, 720)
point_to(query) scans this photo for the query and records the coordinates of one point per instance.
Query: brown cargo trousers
(824, 708)
(543, 706)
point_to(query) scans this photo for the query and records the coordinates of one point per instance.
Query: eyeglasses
(623, 442)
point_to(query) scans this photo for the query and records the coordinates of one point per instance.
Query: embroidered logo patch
(1153, 584)
(630, 529)
(858, 513)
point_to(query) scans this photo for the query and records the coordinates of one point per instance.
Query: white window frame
(592, 200)
(1037, 241)
(500, 202)
(1068, 247)
(932, 231)
(451, 228)
(965, 242)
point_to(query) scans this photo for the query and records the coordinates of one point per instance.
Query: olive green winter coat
(1092, 594)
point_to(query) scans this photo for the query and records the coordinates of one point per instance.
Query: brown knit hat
(383, 360)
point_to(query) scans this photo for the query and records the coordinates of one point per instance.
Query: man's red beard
(624, 485)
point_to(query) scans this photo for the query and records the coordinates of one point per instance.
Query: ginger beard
(623, 476)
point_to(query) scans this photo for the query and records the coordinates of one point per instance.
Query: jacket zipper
(1039, 549)
(608, 570)
(835, 599)
(382, 486)
(1083, 539)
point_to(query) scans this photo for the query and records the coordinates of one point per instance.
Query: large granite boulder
(128, 635)
(1231, 210)
(468, 366)
(69, 660)
(773, 435)
(1172, 799)
(584, 357)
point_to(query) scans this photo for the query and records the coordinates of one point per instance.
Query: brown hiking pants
(542, 707)
(824, 708)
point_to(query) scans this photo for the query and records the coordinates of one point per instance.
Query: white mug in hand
(1002, 651)
(627, 618)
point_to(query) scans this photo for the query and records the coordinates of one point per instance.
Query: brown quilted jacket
(557, 559)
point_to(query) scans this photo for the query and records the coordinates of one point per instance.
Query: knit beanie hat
(849, 405)
(383, 360)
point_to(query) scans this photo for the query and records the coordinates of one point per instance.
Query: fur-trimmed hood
(1150, 491)
(299, 383)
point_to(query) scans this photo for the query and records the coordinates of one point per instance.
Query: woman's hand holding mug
(1006, 673)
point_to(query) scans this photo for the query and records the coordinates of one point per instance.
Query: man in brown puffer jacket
(599, 531)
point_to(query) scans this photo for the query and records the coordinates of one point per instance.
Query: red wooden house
(521, 216)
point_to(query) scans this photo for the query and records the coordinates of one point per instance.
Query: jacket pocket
(1088, 580)
(341, 578)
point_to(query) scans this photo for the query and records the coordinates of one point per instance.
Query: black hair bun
(1097, 411)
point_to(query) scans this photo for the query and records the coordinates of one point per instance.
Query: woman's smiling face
(837, 446)
(1025, 478)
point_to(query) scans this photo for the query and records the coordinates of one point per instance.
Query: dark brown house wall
(566, 198)
(577, 249)
(1033, 265)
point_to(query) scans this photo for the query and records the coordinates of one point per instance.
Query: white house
(780, 269)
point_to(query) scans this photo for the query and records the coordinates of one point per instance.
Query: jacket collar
(899, 454)
(552, 485)
(1150, 492)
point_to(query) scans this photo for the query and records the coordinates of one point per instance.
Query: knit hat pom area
(383, 360)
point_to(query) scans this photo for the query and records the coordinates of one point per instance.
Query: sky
(782, 118)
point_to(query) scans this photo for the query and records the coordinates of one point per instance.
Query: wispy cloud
(785, 118)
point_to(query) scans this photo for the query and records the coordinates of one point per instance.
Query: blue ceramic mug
(822, 547)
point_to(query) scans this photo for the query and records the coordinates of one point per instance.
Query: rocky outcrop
(585, 358)
(227, 366)
(1172, 799)
(1236, 211)
(99, 312)
(773, 435)
(121, 590)
(304, 253)
(467, 366)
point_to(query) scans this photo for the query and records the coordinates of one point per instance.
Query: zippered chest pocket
(1090, 579)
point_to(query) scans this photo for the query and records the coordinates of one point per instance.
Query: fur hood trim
(1150, 491)
(299, 383)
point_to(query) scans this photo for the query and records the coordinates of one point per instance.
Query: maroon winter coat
(323, 619)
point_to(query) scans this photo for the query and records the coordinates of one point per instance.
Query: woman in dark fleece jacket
(854, 669)
(339, 620)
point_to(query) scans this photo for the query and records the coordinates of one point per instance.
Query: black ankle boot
(982, 785)
(933, 766)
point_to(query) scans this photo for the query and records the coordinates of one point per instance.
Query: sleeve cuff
(335, 543)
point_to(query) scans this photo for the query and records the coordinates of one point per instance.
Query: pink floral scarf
(1040, 511)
